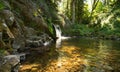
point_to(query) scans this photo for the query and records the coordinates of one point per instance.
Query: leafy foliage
(50, 26)
(80, 30)
(2, 6)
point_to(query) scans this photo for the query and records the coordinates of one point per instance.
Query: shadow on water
(76, 55)
(38, 61)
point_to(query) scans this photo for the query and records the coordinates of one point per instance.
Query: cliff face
(25, 24)
(22, 19)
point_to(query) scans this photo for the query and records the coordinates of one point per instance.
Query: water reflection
(79, 55)
(99, 55)
(58, 43)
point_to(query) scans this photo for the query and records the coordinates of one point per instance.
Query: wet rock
(5, 68)
(18, 43)
(29, 32)
(22, 56)
(8, 16)
(12, 59)
(10, 63)
(43, 40)
(1, 59)
(118, 38)
(0, 36)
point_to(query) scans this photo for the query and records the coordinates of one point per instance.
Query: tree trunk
(73, 11)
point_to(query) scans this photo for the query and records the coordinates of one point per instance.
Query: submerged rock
(11, 63)
(38, 41)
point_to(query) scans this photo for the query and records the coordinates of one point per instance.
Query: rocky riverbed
(81, 55)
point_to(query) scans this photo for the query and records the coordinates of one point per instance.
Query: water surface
(76, 55)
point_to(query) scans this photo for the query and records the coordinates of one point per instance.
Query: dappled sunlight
(29, 66)
(62, 4)
(107, 21)
(68, 59)
(118, 18)
(60, 35)
(73, 57)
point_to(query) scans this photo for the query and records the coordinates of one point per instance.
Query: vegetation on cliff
(21, 19)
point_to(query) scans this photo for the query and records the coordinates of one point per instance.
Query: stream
(76, 55)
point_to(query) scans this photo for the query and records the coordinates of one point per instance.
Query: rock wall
(22, 19)
(24, 26)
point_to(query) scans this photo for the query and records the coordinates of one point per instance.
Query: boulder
(11, 63)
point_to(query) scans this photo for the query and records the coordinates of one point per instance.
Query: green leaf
(2, 6)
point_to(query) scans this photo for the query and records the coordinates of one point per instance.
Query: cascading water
(58, 31)
(58, 43)
(58, 35)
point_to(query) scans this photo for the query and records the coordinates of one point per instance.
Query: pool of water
(76, 55)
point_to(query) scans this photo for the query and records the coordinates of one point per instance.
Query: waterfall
(58, 31)
(58, 35)
(58, 43)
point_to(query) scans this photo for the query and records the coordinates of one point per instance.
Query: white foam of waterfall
(58, 31)
(58, 36)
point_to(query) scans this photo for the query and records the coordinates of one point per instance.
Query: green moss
(2, 6)
(1, 51)
(50, 26)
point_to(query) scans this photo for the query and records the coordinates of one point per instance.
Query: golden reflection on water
(69, 59)
(75, 57)
(29, 66)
